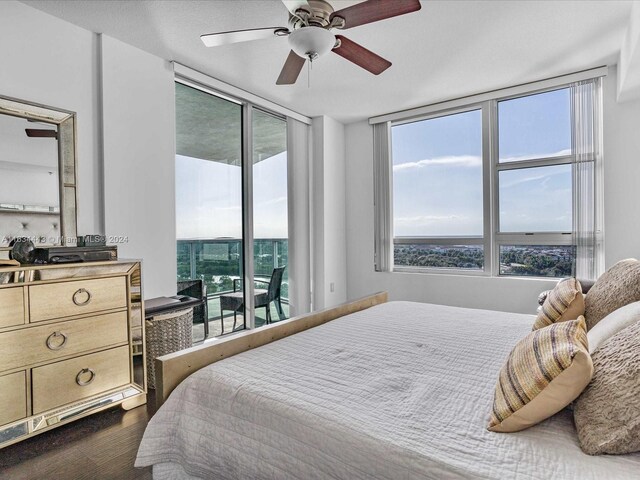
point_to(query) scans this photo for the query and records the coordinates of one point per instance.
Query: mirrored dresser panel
(71, 344)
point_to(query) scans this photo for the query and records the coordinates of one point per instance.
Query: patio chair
(262, 297)
(197, 289)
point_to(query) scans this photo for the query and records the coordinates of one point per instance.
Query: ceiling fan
(310, 36)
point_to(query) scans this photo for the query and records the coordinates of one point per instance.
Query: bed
(400, 390)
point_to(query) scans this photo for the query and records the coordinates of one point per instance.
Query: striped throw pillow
(544, 373)
(564, 302)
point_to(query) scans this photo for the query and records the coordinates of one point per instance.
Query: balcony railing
(218, 261)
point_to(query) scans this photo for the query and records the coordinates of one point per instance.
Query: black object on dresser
(75, 254)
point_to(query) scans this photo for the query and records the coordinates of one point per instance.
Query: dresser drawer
(49, 342)
(72, 380)
(64, 299)
(12, 302)
(13, 397)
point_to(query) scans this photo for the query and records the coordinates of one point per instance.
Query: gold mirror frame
(67, 156)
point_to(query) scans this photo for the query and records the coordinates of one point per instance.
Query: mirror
(37, 174)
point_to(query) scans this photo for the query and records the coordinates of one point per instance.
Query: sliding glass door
(209, 201)
(270, 217)
(224, 209)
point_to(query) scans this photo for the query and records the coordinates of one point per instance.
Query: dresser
(71, 344)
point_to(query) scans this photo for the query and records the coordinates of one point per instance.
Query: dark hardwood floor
(102, 446)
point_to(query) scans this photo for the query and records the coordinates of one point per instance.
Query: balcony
(218, 262)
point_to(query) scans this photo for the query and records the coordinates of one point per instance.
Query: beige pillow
(545, 371)
(607, 414)
(612, 324)
(617, 287)
(564, 302)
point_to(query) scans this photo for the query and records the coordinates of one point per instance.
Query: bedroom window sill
(438, 272)
(441, 271)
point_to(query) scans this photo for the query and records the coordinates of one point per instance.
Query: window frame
(247, 109)
(486, 199)
(492, 238)
(522, 238)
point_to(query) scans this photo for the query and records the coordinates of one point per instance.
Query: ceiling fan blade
(237, 36)
(41, 133)
(361, 56)
(293, 5)
(375, 10)
(291, 69)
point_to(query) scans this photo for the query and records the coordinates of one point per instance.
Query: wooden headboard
(173, 368)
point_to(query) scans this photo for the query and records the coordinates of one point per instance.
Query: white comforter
(399, 391)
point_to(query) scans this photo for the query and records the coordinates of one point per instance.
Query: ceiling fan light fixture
(311, 42)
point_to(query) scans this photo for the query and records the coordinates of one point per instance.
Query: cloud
(536, 156)
(207, 208)
(453, 160)
(518, 181)
(272, 201)
(545, 177)
(472, 160)
(426, 219)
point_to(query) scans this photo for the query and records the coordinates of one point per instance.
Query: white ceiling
(446, 50)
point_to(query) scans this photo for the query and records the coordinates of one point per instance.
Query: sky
(437, 178)
(437, 170)
(209, 198)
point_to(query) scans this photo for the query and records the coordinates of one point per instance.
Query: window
(507, 186)
(209, 175)
(270, 214)
(535, 126)
(212, 214)
(535, 185)
(437, 185)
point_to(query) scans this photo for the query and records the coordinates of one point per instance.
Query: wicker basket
(166, 333)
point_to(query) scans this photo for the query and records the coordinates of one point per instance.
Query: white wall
(329, 213)
(52, 62)
(46, 60)
(622, 222)
(621, 175)
(629, 61)
(27, 159)
(17, 147)
(139, 160)
(43, 190)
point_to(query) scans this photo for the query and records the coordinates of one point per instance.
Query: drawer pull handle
(81, 382)
(51, 345)
(78, 294)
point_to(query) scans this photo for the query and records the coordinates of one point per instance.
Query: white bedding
(398, 391)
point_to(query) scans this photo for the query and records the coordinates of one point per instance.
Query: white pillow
(612, 324)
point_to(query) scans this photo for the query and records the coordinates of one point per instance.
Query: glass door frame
(247, 217)
(246, 165)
